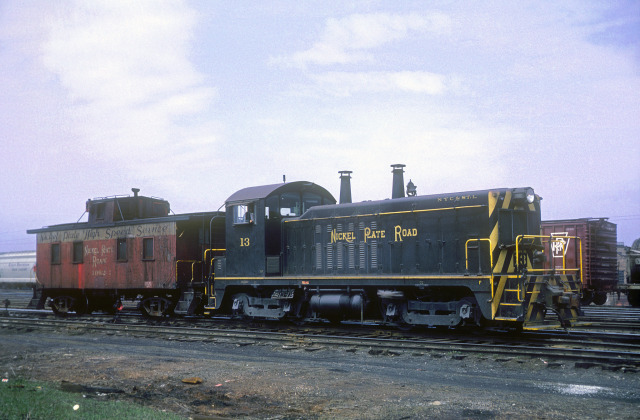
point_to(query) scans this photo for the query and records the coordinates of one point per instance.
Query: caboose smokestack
(398, 181)
(135, 191)
(345, 187)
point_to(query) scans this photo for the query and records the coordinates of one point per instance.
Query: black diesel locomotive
(290, 251)
(439, 260)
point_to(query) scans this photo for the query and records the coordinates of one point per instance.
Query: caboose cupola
(117, 208)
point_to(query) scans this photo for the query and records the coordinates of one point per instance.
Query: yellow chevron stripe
(533, 298)
(500, 263)
(493, 201)
(507, 200)
(494, 240)
(495, 303)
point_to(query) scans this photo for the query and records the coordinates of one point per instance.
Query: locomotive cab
(254, 226)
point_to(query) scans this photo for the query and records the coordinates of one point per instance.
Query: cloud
(349, 40)
(126, 69)
(346, 84)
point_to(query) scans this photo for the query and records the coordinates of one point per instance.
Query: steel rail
(606, 353)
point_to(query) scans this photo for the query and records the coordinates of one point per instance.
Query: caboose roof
(164, 219)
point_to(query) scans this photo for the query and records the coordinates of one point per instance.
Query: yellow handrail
(558, 239)
(212, 250)
(466, 257)
(193, 264)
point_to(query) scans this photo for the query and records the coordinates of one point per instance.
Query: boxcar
(598, 241)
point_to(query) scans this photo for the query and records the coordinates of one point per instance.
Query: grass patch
(22, 399)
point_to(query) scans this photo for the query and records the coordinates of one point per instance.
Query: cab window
(244, 213)
(272, 208)
(290, 204)
(309, 200)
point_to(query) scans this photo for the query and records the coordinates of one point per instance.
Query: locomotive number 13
(244, 241)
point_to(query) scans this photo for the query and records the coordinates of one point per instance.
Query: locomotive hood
(424, 202)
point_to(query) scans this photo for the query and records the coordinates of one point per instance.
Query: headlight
(531, 196)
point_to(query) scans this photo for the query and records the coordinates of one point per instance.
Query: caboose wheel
(81, 305)
(61, 305)
(155, 307)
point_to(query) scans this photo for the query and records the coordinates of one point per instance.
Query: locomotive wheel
(239, 306)
(155, 307)
(600, 298)
(468, 311)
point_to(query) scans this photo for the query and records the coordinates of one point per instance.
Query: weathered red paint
(100, 268)
(599, 258)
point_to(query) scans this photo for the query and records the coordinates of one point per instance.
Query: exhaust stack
(398, 180)
(345, 187)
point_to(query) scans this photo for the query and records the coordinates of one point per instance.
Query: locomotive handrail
(466, 257)
(212, 250)
(552, 239)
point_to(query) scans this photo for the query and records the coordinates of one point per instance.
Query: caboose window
(77, 252)
(100, 211)
(55, 253)
(147, 248)
(121, 249)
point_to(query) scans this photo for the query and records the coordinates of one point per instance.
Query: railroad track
(612, 318)
(612, 351)
(619, 318)
(623, 313)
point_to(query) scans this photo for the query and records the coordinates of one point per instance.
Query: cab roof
(263, 191)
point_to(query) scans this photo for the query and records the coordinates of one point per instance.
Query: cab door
(273, 236)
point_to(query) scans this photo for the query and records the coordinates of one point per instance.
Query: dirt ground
(268, 381)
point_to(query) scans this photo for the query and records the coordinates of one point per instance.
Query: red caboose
(130, 248)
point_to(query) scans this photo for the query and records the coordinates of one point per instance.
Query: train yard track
(615, 344)
(612, 318)
(608, 350)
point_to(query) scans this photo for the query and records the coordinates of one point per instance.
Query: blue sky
(193, 100)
